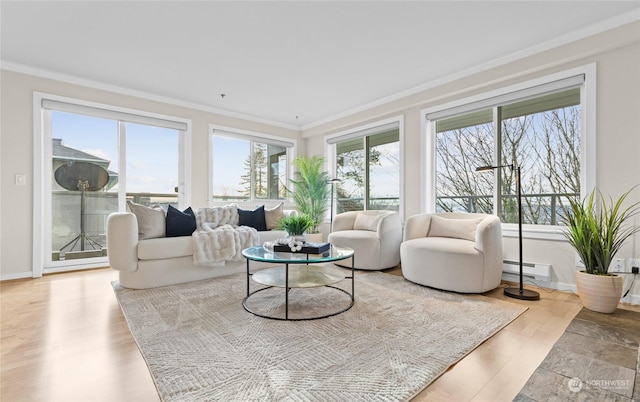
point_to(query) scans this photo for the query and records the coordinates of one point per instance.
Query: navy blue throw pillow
(180, 223)
(254, 218)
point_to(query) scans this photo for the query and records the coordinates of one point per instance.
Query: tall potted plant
(597, 230)
(311, 189)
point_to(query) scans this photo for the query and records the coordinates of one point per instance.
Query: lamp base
(525, 294)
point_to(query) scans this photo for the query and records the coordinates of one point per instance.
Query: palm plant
(597, 231)
(311, 189)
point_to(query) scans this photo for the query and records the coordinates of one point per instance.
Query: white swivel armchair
(375, 237)
(460, 252)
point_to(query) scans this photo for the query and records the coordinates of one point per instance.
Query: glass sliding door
(84, 184)
(152, 165)
(96, 159)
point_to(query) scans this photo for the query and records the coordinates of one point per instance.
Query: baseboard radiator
(530, 270)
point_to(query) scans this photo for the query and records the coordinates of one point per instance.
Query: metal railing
(538, 209)
(344, 204)
(66, 219)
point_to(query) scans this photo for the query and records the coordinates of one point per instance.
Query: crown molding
(56, 76)
(591, 30)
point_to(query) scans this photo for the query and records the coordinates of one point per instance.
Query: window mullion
(366, 173)
(252, 171)
(122, 166)
(497, 161)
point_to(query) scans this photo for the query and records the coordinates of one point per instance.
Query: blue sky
(229, 156)
(152, 152)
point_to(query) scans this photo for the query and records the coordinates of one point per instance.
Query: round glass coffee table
(298, 270)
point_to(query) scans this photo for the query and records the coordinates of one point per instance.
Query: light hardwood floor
(64, 338)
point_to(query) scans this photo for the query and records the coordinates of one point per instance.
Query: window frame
(532, 87)
(252, 136)
(330, 148)
(42, 168)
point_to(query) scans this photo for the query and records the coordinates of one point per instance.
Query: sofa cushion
(151, 221)
(180, 223)
(166, 247)
(254, 219)
(453, 228)
(366, 222)
(273, 215)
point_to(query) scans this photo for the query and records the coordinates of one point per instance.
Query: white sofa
(375, 237)
(461, 252)
(162, 261)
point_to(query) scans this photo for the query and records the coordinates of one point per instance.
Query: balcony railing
(377, 203)
(66, 219)
(538, 209)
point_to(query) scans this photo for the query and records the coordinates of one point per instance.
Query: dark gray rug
(201, 345)
(596, 359)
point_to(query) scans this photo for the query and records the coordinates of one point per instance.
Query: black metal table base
(287, 288)
(286, 317)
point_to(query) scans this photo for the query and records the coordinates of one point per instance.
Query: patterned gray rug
(201, 345)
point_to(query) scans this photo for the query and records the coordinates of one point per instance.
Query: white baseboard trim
(542, 284)
(69, 268)
(568, 287)
(19, 275)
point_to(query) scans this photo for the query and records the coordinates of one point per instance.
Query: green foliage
(597, 230)
(311, 189)
(295, 225)
(257, 164)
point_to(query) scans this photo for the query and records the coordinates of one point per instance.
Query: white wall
(16, 154)
(617, 57)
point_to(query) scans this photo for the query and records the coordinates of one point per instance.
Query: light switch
(21, 180)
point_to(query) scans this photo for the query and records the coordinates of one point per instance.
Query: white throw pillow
(366, 222)
(151, 221)
(272, 216)
(455, 228)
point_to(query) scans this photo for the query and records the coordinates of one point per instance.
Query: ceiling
(294, 64)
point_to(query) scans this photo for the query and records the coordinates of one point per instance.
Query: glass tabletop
(258, 253)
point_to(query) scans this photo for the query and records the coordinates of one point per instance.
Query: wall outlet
(617, 265)
(633, 262)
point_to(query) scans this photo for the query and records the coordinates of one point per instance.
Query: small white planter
(599, 293)
(314, 237)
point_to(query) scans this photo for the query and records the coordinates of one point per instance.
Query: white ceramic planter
(599, 293)
(314, 237)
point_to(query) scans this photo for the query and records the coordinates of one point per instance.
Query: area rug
(596, 359)
(201, 345)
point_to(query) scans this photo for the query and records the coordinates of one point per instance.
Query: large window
(540, 133)
(97, 157)
(247, 167)
(367, 163)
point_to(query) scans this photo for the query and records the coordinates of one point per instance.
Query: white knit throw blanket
(218, 238)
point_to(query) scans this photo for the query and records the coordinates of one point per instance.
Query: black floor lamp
(333, 183)
(519, 292)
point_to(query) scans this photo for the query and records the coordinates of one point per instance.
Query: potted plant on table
(295, 226)
(597, 231)
(311, 189)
